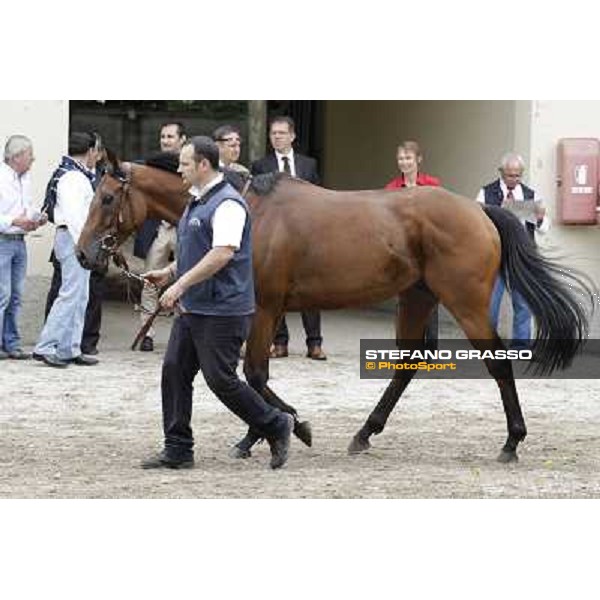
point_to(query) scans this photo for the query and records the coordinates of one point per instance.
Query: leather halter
(246, 186)
(108, 242)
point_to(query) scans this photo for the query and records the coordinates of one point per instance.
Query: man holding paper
(509, 192)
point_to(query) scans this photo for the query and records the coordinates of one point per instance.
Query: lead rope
(121, 263)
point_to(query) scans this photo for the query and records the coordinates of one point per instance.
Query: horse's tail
(560, 299)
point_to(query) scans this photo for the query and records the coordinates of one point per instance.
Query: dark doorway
(308, 117)
(131, 127)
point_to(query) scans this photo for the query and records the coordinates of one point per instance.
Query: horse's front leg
(414, 308)
(256, 370)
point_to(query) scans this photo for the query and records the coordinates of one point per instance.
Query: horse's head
(111, 219)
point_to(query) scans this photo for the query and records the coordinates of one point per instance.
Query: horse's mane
(262, 185)
(165, 161)
(235, 178)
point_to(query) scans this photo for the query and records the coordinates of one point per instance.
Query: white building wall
(550, 121)
(46, 123)
(462, 141)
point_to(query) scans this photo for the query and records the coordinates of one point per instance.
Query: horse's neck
(164, 194)
(165, 208)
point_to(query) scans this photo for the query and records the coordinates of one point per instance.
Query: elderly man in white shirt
(509, 192)
(17, 218)
(60, 341)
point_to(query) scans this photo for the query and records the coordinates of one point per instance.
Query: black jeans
(93, 312)
(432, 330)
(311, 320)
(211, 345)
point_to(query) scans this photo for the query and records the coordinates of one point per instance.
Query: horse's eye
(106, 200)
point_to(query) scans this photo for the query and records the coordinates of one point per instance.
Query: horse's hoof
(303, 432)
(237, 452)
(358, 444)
(508, 456)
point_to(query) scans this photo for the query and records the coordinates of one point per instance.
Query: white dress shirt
(518, 197)
(74, 194)
(280, 163)
(15, 198)
(228, 220)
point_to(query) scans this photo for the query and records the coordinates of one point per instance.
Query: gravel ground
(80, 433)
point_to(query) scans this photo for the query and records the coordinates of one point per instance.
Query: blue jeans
(13, 267)
(63, 329)
(521, 329)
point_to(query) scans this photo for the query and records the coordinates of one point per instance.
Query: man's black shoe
(84, 361)
(89, 351)
(280, 445)
(147, 345)
(18, 354)
(238, 452)
(164, 461)
(51, 360)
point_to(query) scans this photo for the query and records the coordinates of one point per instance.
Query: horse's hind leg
(501, 371)
(414, 309)
(256, 370)
(473, 317)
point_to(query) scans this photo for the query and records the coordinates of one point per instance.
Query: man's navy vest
(66, 164)
(493, 195)
(230, 291)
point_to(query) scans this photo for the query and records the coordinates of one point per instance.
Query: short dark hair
(98, 144)
(283, 119)
(205, 147)
(181, 132)
(224, 130)
(80, 142)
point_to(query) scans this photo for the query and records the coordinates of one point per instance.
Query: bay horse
(315, 248)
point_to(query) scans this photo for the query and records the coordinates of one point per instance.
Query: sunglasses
(230, 141)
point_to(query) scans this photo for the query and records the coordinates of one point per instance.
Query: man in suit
(285, 159)
(157, 240)
(506, 191)
(229, 141)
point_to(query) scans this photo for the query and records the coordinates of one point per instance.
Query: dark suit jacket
(306, 167)
(493, 195)
(147, 233)
(145, 236)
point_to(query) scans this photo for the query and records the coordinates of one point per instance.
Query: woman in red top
(409, 158)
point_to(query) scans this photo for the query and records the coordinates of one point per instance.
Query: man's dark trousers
(311, 320)
(212, 345)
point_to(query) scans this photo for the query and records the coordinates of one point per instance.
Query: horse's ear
(113, 163)
(235, 178)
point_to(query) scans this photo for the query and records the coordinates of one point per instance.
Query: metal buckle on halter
(108, 243)
(120, 176)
